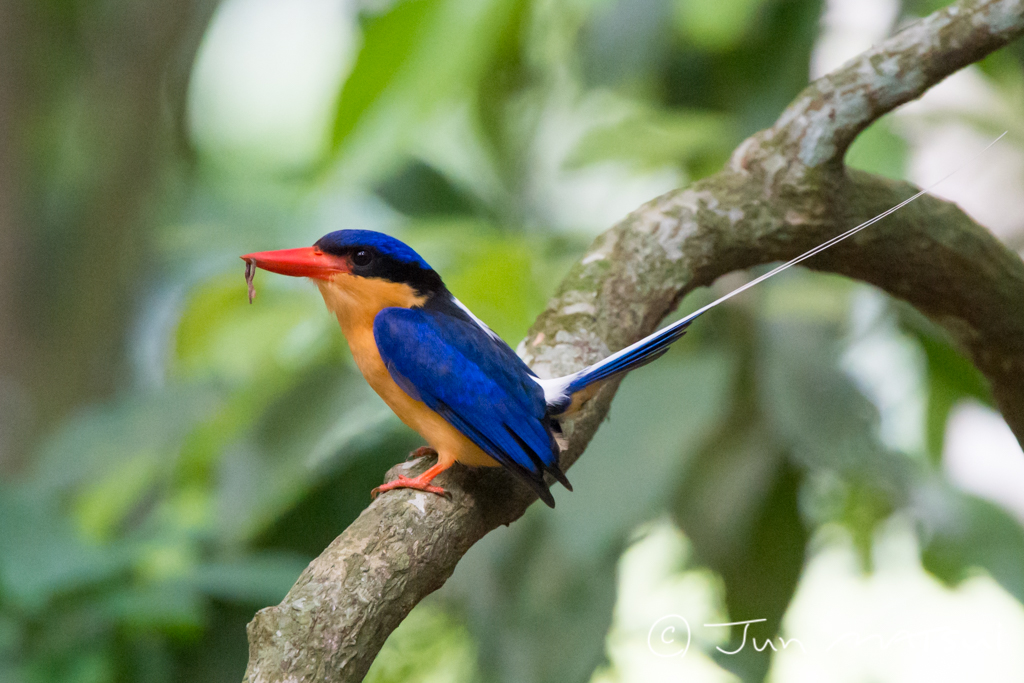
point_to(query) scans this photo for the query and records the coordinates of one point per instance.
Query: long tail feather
(559, 392)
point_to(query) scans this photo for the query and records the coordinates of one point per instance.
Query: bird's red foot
(421, 452)
(404, 482)
(420, 483)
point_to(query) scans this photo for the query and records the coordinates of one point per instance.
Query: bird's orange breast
(356, 301)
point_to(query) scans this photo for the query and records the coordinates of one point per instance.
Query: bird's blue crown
(341, 240)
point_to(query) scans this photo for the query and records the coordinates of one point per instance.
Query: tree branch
(784, 191)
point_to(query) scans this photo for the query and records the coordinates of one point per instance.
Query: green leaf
(389, 38)
(101, 506)
(429, 646)
(260, 579)
(83, 666)
(963, 533)
(41, 557)
(319, 425)
(498, 287)
(96, 444)
(760, 582)
(951, 379)
(170, 605)
(831, 429)
(221, 335)
(421, 190)
(432, 56)
(739, 505)
(817, 408)
(656, 138)
(512, 595)
(879, 150)
(717, 25)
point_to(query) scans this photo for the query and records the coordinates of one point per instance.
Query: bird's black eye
(362, 257)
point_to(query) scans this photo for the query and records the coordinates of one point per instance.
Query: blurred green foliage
(174, 456)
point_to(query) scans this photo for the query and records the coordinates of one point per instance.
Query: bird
(445, 373)
(442, 371)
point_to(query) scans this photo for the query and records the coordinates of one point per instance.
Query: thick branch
(783, 192)
(828, 114)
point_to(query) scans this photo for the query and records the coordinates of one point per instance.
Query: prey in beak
(311, 262)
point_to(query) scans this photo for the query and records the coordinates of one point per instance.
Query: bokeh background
(813, 454)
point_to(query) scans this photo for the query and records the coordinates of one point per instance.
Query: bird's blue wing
(460, 372)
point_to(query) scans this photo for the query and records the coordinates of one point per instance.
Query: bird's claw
(404, 482)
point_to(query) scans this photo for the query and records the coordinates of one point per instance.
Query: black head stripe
(388, 267)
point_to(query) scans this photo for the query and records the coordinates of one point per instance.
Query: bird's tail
(565, 394)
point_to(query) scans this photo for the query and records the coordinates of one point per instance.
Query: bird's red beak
(303, 262)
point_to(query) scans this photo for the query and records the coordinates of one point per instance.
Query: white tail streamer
(839, 238)
(558, 392)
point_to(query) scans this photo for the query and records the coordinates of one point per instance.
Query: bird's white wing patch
(478, 321)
